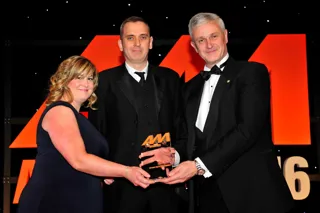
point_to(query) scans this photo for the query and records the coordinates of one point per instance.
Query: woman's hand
(108, 181)
(138, 176)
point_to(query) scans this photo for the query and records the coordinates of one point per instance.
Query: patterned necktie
(142, 80)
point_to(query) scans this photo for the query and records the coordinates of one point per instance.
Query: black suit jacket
(238, 149)
(116, 116)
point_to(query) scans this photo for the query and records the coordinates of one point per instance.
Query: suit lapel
(193, 92)
(195, 97)
(159, 87)
(126, 86)
(225, 81)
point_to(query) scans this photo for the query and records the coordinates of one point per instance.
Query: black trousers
(208, 197)
(123, 197)
(207, 193)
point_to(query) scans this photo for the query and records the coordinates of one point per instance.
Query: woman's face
(81, 88)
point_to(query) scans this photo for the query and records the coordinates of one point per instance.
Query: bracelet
(127, 172)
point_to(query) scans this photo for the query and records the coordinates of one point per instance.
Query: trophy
(155, 142)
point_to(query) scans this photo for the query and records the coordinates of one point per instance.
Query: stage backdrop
(289, 96)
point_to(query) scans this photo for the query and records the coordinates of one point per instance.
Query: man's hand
(163, 156)
(183, 172)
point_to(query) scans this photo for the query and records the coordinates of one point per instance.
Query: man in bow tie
(232, 161)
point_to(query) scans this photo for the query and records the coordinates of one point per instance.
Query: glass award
(155, 142)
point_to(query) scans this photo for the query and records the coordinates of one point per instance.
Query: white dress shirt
(132, 71)
(208, 89)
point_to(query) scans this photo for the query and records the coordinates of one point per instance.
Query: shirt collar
(224, 59)
(131, 70)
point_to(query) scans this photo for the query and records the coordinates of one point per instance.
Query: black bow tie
(214, 70)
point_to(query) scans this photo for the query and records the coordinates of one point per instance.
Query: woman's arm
(61, 124)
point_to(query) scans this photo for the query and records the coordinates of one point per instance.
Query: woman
(70, 162)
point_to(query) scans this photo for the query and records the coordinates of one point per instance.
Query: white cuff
(207, 173)
(176, 159)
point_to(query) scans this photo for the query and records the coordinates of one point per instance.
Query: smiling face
(135, 42)
(210, 42)
(75, 82)
(81, 88)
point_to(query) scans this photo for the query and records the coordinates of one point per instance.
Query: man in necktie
(232, 159)
(142, 79)
(135, 100)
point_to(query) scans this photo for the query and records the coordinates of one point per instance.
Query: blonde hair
(68, 70)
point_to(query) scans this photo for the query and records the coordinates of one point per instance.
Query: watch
(200, 171)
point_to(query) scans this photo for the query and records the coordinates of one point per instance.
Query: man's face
(210, 42)
(135, 42)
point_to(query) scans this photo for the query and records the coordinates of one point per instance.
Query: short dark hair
(132, 19)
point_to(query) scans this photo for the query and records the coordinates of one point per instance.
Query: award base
(156, 170)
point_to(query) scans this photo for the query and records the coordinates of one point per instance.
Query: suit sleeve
(180, 125)
(98, 116)
(253, 112)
